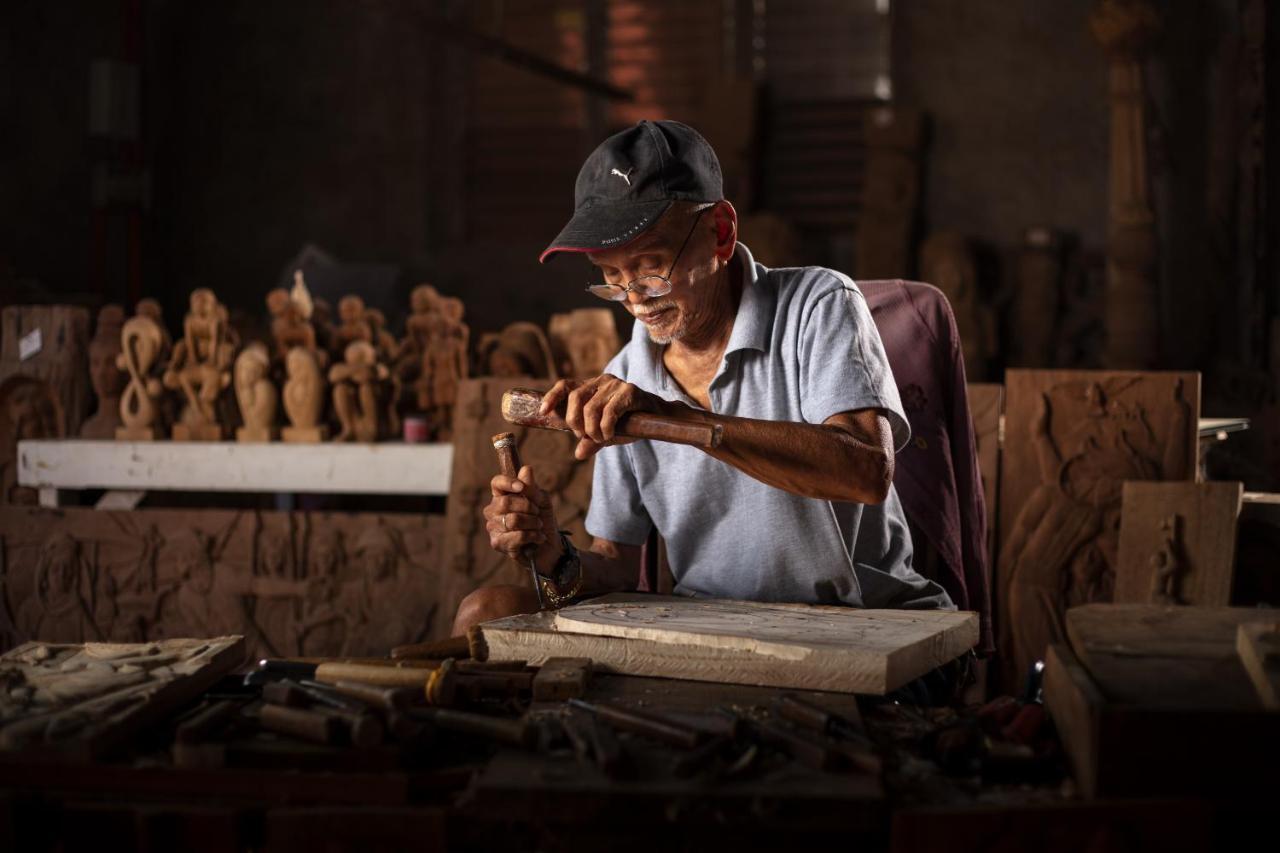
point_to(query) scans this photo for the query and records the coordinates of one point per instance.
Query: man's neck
(709, 338)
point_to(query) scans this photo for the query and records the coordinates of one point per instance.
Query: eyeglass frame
(620, 293)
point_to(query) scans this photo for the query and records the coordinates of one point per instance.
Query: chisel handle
(522, 407)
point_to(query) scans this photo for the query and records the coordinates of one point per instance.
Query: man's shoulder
(797, 290)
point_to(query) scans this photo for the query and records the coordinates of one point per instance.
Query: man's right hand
(520, 515)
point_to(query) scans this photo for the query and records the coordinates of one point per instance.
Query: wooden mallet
(521, 406)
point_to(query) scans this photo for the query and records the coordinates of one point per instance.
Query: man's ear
(726, 223)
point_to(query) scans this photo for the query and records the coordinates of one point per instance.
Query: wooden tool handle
(521, 406)
(307, 725)
(382, 676)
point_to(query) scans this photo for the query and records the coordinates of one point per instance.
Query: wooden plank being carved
(1177, 543)
(809, 647)
(1258, 644)
(80, 701)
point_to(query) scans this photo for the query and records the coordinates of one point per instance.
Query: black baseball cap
(631, 179)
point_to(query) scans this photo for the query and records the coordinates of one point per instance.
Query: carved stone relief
(1072, 438)
(292, 583)
(550, 454)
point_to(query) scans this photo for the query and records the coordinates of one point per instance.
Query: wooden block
(1165, 657)
(1071, 439)
(255, 434)
(1258, 644)
(305, 435)
(561, 678)
(1151, 701)
(986, 400)
(136, 434)
(200, 432)
(1178, 543)
(809, 647)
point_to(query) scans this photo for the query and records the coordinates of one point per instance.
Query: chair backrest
(936, 475)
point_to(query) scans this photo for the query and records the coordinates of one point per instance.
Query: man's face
(668, 317)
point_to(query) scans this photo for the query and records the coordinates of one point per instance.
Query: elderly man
(797, 502)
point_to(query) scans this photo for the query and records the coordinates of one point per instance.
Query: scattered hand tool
(523, 407)
(509, 466)
(642, 724)
(383, 698)
(307, 725)
(469, 645)
(595, 744)
(514, 732)
(561, 678)
(805, 713)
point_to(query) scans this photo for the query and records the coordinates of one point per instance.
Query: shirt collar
(755, 315)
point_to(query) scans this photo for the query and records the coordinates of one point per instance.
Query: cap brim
(606, 227)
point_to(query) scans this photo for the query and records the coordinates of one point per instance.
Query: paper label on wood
(30, 345)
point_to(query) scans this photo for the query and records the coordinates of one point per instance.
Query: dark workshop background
(388, 135)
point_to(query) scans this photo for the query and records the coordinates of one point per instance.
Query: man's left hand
(594, 406)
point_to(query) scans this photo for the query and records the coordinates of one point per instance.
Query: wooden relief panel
(44, 382)
(1178, 543)
(81, 700)
(985, 403)
(291, 583)
(477, 420)
(1072, 438)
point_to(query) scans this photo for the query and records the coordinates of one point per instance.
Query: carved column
(1125, 28)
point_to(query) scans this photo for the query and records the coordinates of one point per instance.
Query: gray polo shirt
(803, 348)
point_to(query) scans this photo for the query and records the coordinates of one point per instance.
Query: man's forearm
(822, 461)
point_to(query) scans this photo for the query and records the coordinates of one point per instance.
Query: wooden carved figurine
(1167, 564)
(256, 394)
(200, 368)
(142, 344)
(1125, 29)
(590, 342)
(388, 351)
(946, 262)
(882, 242)
(304, 398)
(1037, 299)
(410, 362)
(521, 349)
(353, 325)
(106, 374)
(356, 382)
(291, 318)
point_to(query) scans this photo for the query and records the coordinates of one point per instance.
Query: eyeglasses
(648, 286)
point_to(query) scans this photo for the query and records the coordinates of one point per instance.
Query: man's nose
(636, 296)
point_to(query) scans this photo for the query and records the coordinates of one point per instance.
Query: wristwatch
(566, 576)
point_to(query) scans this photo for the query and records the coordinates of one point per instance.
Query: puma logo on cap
(626, 176)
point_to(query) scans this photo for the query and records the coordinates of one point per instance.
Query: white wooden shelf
(390, 468)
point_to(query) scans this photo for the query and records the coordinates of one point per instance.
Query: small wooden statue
(291, 318)
(201, 368)
(521, 349)
(142, 344)
(357, 382)
(353, 325)
(106, 374)
(411, 367)
(388, 351)
(256, 394)
(947, 262)
(584, 341)
(304, 397)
